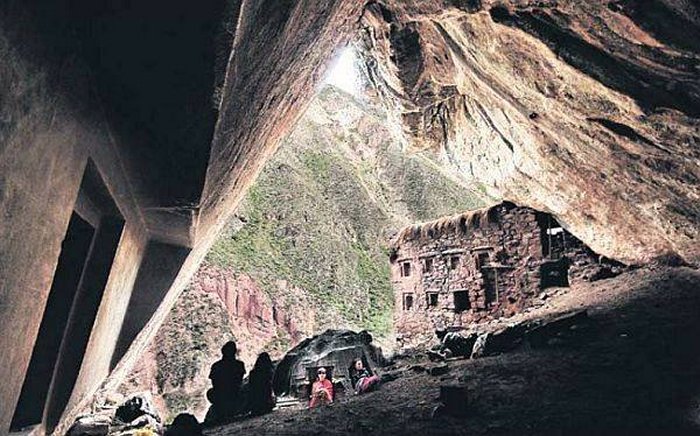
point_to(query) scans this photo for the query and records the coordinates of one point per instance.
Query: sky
(344, 73)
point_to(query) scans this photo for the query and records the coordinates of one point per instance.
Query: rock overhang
(586, 111)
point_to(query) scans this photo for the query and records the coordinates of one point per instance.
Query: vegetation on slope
(321, 213)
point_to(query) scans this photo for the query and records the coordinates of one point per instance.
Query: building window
(454, 262)
(405, 269)
(431, 299)
(482, 259)
(407, 301)
(428, 263)
(461, 301)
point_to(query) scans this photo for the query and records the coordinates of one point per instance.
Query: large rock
(564, 328)
(335, 350)
(90, 425)
(136, 407)
(459, 345)
(587, 110)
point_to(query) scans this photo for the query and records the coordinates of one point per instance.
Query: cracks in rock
(491, 124)
(661, 20)
(469, 6)
(384, 12)
(405, 43)
(625, 131)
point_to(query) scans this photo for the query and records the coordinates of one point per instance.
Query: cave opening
(344, 73)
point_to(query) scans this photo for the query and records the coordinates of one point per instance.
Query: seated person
(260, 397)
(321, 390)
(226, 377)
(362, 378)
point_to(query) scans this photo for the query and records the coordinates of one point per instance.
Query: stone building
(482, 265)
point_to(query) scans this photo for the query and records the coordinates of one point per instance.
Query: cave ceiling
(588, 110)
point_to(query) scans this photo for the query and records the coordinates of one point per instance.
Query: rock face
(256, 319)
(588, 110)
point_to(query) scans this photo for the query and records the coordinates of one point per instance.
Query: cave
(129, 134)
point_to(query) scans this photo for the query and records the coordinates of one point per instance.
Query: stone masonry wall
(477, 266)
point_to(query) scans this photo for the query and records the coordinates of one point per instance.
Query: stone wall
(478, 266)
(46, 143)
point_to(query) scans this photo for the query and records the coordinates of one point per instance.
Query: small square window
(461, 301)
(431, 299)
(407, 301)
(454, 262)
(482, 260)
(405, 269)
(428, 263)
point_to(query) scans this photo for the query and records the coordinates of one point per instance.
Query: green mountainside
(321, 213)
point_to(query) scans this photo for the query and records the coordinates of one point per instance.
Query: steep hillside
(320, 214)
(307, 249)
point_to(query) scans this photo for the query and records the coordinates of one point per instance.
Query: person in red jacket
(321, 390)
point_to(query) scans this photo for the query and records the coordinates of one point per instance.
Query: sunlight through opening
(344, 73)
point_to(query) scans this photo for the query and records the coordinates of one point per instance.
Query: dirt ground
(637, 371)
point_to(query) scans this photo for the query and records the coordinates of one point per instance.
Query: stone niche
(482, 265)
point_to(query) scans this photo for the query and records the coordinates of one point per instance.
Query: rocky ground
(636, 371)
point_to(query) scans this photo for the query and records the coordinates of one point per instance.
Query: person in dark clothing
(226, 377)
(362, 378)
(261, 400)
(184, 425)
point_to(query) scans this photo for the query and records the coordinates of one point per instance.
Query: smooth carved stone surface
(588, 110)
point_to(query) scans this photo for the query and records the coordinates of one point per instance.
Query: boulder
(543, 332)
(335, 350)
(504, 340)
(458, 345)
(135, 407)
(479, 346)
(552, 331)
(90, 425)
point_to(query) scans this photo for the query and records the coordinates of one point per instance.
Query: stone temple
(482, 265)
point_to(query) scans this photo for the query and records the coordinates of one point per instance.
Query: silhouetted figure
(321, 390)
(260, 397)
(226, 377)
(184, 424)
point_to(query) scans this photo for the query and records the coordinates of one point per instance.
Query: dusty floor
(637, 372)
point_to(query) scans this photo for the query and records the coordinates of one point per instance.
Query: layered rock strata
(586, 110)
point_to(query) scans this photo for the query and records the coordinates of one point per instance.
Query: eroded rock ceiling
(588, 110)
